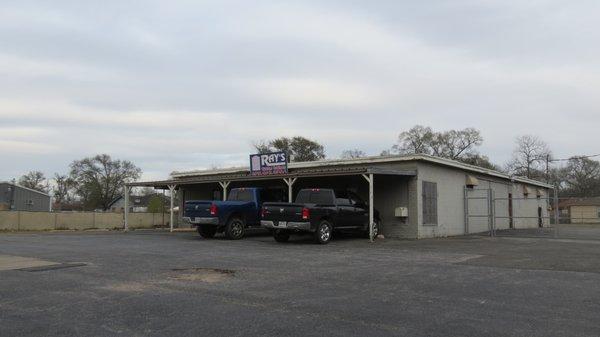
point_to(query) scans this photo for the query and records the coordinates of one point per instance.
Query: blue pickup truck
(240, 211)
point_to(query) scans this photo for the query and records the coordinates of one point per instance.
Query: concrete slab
(156, 283)
(10, 262)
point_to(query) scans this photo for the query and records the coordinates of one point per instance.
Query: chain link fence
(532, 216)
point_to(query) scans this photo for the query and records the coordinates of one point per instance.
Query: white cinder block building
(417, 196)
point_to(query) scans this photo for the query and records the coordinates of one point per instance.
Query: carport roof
(329, 168)
(245, 175)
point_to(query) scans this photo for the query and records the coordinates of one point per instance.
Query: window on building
(598, 213)
(29, 202)
(430, 196)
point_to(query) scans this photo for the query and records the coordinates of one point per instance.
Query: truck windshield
(240, 195)
(321, 197)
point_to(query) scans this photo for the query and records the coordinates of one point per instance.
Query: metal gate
(479, 210)
(487, 212)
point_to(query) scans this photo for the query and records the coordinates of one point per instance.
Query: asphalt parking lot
(160, 284)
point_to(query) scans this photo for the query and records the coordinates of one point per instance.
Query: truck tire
(376, 230)
(281, 235)
(235, 228)
(324, 232)
(207, 232)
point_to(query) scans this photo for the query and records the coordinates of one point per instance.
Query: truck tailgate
(197, 209)
(282, 212)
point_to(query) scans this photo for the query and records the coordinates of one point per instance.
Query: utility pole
(548, 168)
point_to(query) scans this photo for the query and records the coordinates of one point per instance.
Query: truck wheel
(324, 232)
(207, 232)
(376, 229)
(281, 235)
(235, 229)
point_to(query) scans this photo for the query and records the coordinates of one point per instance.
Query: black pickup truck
(320, 212)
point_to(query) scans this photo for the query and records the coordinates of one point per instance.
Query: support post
(466, 196)
(172, 190)
(490, 216)
(370, 180)
(224, 185)
(290, 183)
(126, 208)
(556, 212)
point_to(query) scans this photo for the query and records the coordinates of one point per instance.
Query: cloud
(192, 84)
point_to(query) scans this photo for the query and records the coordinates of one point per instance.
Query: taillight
(263, 212)
(305, 214)
(213, 209)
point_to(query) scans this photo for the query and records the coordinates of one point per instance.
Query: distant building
(580, 210)
(14, 197)
(137, 204)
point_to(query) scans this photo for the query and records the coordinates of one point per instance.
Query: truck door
(345, 212)
(248, 196)
(360, 209)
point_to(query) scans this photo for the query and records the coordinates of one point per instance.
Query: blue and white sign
(268, 163)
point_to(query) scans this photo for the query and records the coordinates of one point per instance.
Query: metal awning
(305, 173)
(290, 178)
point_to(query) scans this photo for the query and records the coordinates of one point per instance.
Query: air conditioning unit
(401, 212)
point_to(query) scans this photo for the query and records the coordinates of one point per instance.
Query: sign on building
(268, 163)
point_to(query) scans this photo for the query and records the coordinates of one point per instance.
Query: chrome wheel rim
(236, 229)
(324, 233)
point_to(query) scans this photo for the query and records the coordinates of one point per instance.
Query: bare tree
(63, 189)
(262, 146)
(100, 179)
(480, 161)
(415, 141)
(352, 154)
(582, 177)
(455, 144)
(297, 148)
(144, 191)
(35, 180)
(529, 157)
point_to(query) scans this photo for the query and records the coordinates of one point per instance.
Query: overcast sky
(180, 85)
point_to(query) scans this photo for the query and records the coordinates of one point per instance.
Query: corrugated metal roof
(321, 164)
(580, 202)
(25, 188)
(244, 175)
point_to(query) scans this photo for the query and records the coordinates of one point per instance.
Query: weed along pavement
(160, 284)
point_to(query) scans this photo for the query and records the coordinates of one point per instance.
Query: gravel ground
(158, 284)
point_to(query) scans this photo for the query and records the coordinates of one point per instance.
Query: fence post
(490, 212)
(493, 203)
(18, 220)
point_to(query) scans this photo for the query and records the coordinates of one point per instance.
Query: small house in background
(580, 210)
(141, 204)
(14, 197)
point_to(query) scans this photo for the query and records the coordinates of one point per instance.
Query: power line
(575, 157)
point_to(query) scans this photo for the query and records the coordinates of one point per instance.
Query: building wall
(21, 199)
(451, 185)
(584, 214)
(392, 192)
(525, 207)
(450, 206)
(403, 191)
